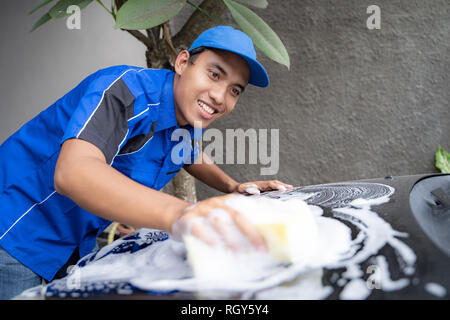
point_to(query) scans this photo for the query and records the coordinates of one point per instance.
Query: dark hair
(194, 53)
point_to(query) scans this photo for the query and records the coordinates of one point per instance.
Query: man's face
(209, 88)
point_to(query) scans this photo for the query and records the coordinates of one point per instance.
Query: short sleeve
(101, 115)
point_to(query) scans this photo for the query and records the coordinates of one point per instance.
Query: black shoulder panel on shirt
(108, 125)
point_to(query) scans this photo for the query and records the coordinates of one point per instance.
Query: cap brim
(258, 75)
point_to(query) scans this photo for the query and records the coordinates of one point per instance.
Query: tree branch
(140, 36)
(170, 50)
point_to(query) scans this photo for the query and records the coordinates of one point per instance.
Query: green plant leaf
(256, 3)
(46, 17)
(144, 14)
(59, 10)
(262, 35)
(443, 160)
(40, 5)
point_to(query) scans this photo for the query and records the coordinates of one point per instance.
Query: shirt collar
(166, 115)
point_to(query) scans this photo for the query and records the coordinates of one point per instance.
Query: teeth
(205, 107)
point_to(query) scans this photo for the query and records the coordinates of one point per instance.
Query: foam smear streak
(374, 234)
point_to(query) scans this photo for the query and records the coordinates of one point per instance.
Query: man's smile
(206, 110)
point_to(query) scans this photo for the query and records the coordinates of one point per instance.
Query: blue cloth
(128, 113)
(147, 243)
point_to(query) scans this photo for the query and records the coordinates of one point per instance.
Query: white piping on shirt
(142, 112)
(103, 95)
(148, 108)
(23, 215)
(119, 146)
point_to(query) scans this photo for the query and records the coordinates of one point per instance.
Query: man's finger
(276, 185)
(247, 228)
(288, 186)
(227, 232)
(252, 189)
(199, 230)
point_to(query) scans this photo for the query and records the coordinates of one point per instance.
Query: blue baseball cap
(233, 40)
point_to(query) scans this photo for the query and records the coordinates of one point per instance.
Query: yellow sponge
(290, 230)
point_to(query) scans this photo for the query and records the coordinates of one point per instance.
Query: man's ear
(182, 61)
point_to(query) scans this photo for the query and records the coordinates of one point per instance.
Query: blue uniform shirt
(128, 113)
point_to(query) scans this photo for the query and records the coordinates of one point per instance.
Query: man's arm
(83, 175)
(208, 172)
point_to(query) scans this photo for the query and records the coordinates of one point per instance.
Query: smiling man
(102, 152)
(213, 81)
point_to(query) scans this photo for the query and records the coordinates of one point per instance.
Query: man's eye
(236, 92)
(214, 75)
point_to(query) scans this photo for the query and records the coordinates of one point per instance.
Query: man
(102, 152)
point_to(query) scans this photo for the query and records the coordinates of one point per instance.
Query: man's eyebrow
(219, 67)
(240, 86)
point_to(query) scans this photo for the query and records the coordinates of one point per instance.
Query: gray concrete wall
(356, 103)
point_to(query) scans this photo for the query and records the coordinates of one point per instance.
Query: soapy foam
(436, 289)
(307, 286)
(355, 289)
(252, 189)
(383, 276)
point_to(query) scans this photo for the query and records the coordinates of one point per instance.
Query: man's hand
(201, 221)
(256, 187)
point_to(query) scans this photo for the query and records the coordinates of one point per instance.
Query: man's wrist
(232, 186)
(174, 214)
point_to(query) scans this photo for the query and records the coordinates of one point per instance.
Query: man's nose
(217, 94)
